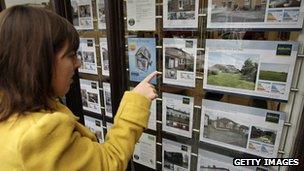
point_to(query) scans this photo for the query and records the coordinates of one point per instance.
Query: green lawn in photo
(230, 80)
(273, 76)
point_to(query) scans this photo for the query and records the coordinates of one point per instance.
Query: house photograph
(263, 135)
(177, 118)
(176, 59)
(235, 70)
(181, 9)
(238, 10)
(225, 130)
(175, 158)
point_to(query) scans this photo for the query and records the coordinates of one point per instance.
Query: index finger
(151, 76)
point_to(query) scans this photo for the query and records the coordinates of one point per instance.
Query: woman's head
(35, 46)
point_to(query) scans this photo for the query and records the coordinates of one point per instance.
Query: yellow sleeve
(54, 144)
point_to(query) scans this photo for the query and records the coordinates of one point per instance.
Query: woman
(37, 63)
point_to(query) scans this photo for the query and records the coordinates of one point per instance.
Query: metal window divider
(289, 124)
(294, 89)
(202, 15)
(194, 154)
(300, 56)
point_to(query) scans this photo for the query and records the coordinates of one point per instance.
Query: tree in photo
(249, 70)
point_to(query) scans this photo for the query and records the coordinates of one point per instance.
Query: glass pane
(227, 70)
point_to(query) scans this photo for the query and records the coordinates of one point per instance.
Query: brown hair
(29, 40)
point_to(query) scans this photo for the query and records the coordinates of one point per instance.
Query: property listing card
(250, 67)
(176, 156)
(142, 58)
(90, 95)
(242, 128)
(208, 160)
(82, 14)
(95, 125)
(180, 14)
(104, 58)
(107, 99)
(87, 55)
(145, 151)
(179, 61)
(177, 114)
(100, 5)
(255, 14)
(141, 15)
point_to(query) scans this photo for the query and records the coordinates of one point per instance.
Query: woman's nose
(77, 63)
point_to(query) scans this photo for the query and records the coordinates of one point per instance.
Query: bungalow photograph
(234, 70)
(225, 130)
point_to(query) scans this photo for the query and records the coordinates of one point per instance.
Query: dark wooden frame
(116, 50)
(2, 5)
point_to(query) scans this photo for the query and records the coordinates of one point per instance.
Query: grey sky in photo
(274, 67)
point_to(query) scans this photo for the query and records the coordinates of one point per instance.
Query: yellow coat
(56, 141)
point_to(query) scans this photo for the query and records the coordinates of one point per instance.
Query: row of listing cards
(175, 155)
(247, 67)
(246, 129)
(91, 100)
(141, 14)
